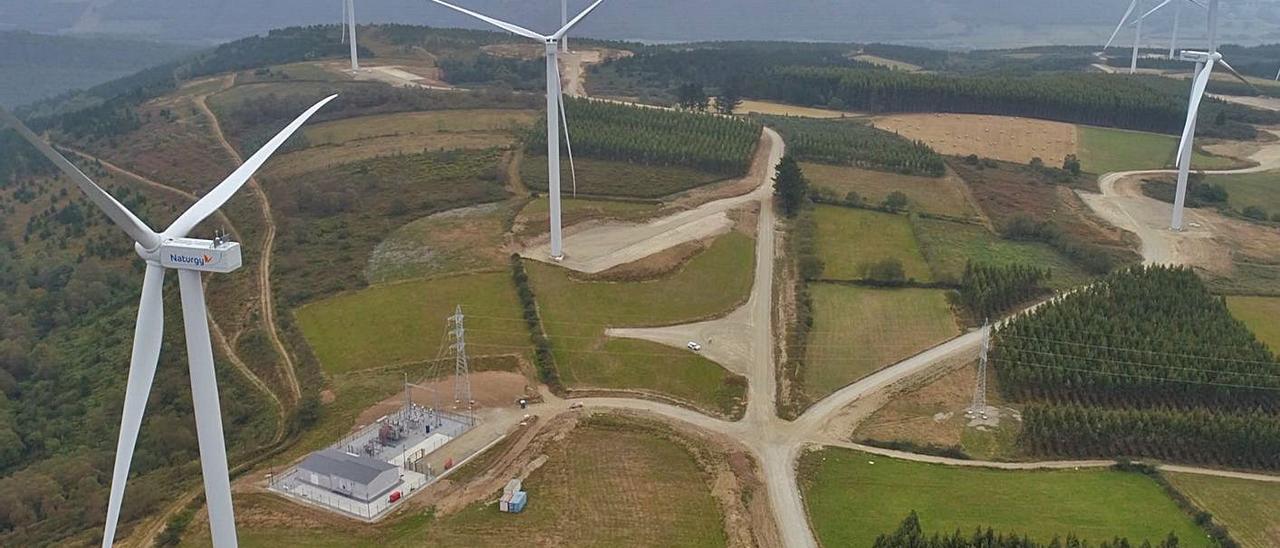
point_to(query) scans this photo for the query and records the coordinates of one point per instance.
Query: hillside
(37, 66)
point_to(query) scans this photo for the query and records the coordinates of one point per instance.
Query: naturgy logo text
(195, 261)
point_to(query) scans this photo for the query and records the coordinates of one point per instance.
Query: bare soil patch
(1000, 137)
(488, 388)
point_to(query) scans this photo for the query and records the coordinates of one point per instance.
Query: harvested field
(749, 106)
(858, 331)
(1249, 509)
(849, 240)
(942, 196)
(885, 62)
(1005, 138)
(1095, 505)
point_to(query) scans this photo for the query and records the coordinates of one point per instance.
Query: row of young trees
(1145, 362)
(843, 142)
(1149, 335)
(910, 534)
(988, 290)
(1095, 99)
(1249, 439)
(612, 131)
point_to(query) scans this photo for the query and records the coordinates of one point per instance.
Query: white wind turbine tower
(349, 29)
(1204, 60)
(1137, 35)
(1177, 15)
(555, 111)
(171, 249)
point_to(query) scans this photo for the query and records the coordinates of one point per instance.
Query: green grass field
(947, 246)
(1262, 315)
(398, 323)
(1251, 189)
(1250, 510)
(858, 330)
(944, 196)
(603, 485)
(464, 240)
(850, 239)
(851, 501)
(1102, 150)
(575, 315)
(444, 124)
(612, 178)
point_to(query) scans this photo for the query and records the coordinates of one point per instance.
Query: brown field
(945, 196)
(354, 139)
(884, 62)
(1009, 190)
(462, 240)
(764, 107)
(933, 414)
(1249, 509)
(1000, 137)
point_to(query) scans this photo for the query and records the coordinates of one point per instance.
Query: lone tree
(730, 97)
(1072, 164)
(896, 201)
(692, 96)
(790, 186)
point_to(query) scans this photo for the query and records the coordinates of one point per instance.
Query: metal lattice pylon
(461, 370)
(979, 405)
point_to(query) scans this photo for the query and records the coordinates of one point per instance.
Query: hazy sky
(951, 23)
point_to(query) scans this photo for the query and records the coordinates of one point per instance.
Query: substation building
(355, 476)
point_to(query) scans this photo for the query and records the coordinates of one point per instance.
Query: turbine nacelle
(1199, 56)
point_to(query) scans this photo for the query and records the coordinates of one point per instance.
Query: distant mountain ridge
(37, 66)
(938, 23)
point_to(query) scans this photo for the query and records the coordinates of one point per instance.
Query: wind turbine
(1137, 35)
(555, 102)
(564, 20)
(1204, 60)
(172, 249)
(349, 27)
(1177, 15)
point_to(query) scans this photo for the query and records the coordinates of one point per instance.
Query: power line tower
(461, 371)
(979, 406)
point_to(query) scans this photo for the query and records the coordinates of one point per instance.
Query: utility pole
(979, 406)
(461, 370)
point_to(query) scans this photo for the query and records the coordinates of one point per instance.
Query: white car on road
(694, 346)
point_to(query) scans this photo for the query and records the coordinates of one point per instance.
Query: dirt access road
(1123, 204)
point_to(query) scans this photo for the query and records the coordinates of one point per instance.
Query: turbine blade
(1193, 108)
(515, 29)
(147, 335)
(565, 29)
(210, 202)
(119, 214)
(1155, 9)
(1120, 25)
(1239, 76)
(564, 121)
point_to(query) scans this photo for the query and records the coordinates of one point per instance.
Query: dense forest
(851, 143)
(613, 131)
(1146, 346)
(37, 66)
(989, 83)
(991, 290)
(910, 534)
